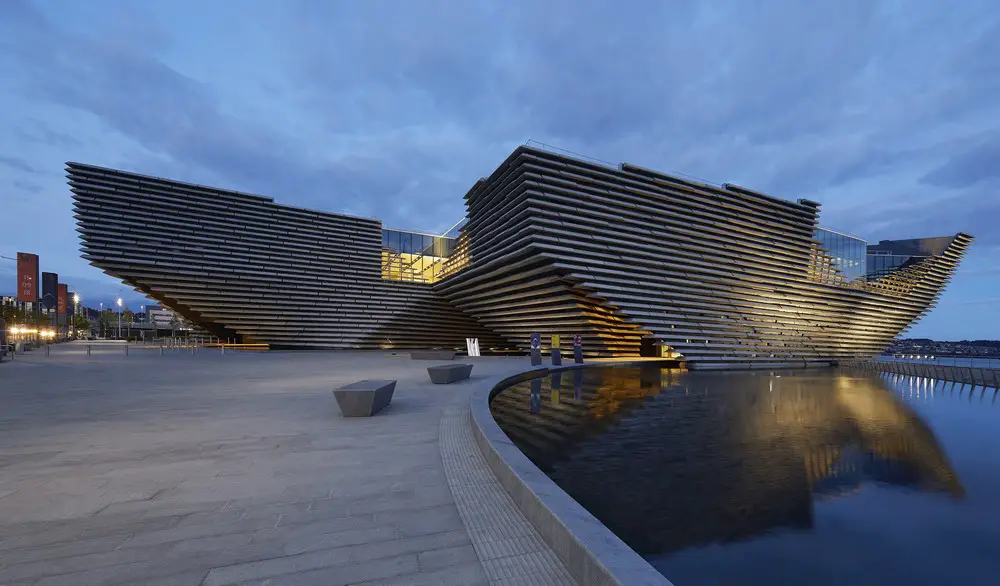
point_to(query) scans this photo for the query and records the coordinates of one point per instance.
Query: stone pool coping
(588, 549)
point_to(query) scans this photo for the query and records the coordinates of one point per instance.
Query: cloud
(994, 300)
(979, 272)
(977, 164)
(885, 113)
(37, 131)
(972, 211)
(27, 186)
(771, 97)
(18, 164)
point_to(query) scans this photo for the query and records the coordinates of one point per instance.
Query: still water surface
(813, 477)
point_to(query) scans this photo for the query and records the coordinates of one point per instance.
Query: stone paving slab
(504, 540)
(189, 469)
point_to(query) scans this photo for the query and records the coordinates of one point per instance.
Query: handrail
(941, 360)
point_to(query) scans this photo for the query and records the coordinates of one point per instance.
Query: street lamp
(119, 318)
(76, 311)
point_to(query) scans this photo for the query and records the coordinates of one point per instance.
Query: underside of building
(624, 256)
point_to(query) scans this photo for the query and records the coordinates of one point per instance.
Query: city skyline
(402, 133)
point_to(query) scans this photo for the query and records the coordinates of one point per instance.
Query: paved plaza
(220, 469)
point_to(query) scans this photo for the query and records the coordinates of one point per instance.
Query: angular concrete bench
(432, 355)
(445, 374)
(364, 398)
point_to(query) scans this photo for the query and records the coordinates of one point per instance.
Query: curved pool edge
(588, 549)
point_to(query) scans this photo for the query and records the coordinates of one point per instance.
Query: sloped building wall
(724, 275)
(241, 265)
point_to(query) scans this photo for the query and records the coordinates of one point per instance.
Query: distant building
(14, 310)
(165, 319)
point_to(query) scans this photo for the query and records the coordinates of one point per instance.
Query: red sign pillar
(27, 277)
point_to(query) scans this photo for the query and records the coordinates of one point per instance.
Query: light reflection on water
(810, 477)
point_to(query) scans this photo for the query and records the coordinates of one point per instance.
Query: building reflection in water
(669, 460)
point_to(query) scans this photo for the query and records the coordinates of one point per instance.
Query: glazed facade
(725, 276)
(890, 255)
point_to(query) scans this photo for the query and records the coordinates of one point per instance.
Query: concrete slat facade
(240, 265)
(721, 274)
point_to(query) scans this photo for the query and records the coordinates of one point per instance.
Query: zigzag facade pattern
(723, 275)
(241, 266)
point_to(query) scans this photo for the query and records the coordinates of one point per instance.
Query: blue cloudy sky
(884, 111)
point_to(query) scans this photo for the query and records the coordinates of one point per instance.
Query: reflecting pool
(787, 477)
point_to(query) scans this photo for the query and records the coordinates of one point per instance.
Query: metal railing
(973, 361)
(160, 346)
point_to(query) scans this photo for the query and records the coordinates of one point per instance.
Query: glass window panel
(424, 260)
(394, 240)
(428, 253)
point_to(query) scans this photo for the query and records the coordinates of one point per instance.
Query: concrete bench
(432, 355)
(446, 374)
(364, 398)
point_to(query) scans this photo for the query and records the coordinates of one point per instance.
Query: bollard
(223, 348)
(46, 350)
(126, 349)
(556, 355)
(88, 349)
(577, 349)
(536, 349)
(161, 348)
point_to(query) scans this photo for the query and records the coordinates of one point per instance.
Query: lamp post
(100, 321)
(76, 312)
(119, 318)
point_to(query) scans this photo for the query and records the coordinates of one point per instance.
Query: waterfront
(816, 477)
(236, 468)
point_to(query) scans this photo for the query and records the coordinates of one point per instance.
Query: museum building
(634, 260)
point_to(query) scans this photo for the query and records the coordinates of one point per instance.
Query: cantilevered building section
(242, 266)
(721, 274)
(625, 256)
(889, 256)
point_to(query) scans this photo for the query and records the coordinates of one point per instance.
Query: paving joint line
(509, 548)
